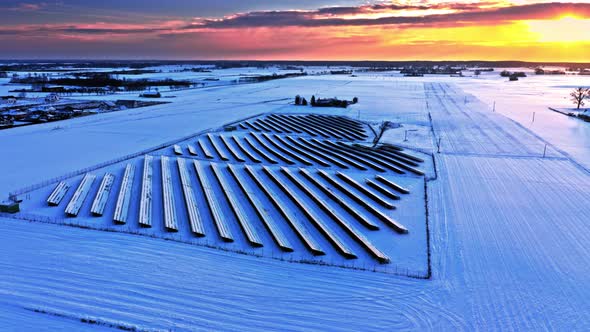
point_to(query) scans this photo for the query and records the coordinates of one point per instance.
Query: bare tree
(578, 96)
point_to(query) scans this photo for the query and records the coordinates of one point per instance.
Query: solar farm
(231, 208)
(302, 188)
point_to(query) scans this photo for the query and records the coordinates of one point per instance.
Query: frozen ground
(535, 94)
(509, 236)
(406, 253)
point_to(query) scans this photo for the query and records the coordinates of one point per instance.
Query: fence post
(544, 150)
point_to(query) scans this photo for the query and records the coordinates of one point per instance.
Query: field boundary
(13, 196)
(385, 269)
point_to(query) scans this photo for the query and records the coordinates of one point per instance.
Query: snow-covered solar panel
(220, 151)
(300, 229)
(270, 149)
(392, 184)
(102, 196)
(377, 198)
(299, 151)
(145, 202)
(192, 150)
(311, 151)
(298, 126)
(280, 120)
(58, 193)
(205, 149)
(237, 155)
(170, 221)
(338, 218)
(287, 151)
(234, 202)
(75, 204)
(194, 216)
(214, 205)
(380, 160)
(372, 209)
(260, 152)
(245, 150)
(381, 189)
(275, 231)
(317, 146)
(311, 214)
(124, 198)
(358, 215)
(346, 154)
(177, 149)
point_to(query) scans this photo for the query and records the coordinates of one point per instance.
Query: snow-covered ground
(508, 228)
(535, 94)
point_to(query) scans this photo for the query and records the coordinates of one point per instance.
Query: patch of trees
(340, 72)
(416, 71)
(300, 101)
(100, 80)
(264, 78)
(194, 70)
(133, 72)
(58, 66)
(65, 66)
(579, 95)
(506, 73)
(379, 69)
(325, 102)
(541, 71)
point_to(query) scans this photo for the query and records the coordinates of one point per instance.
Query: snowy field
(508, 233)
(346, 211)
(535, 94)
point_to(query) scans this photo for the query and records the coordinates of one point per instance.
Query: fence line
(14, 194)
(284, 257)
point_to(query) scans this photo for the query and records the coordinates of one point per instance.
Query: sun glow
(565, 29)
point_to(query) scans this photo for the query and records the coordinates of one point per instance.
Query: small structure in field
(107, 106)
(513, 76)
(151, 94)
(9, 207)
(52, 98)
(541, 71)
(332, 102)
(8, 99)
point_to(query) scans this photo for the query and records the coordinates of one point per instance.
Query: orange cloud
(486, 31)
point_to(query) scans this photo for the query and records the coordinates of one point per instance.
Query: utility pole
(545, 151)
(534, 116)
(494, 106)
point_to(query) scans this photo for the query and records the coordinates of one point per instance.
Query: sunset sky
(295, 30)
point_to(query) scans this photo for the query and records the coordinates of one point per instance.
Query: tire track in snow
(263, 293)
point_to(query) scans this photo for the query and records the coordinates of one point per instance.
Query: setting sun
(566, 29)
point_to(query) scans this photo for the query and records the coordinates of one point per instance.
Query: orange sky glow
(382, 31)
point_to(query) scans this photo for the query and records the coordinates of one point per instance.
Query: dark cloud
(399, 7)
(48, 31)
(467, 13)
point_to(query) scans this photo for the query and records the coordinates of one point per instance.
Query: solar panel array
(285, 182)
